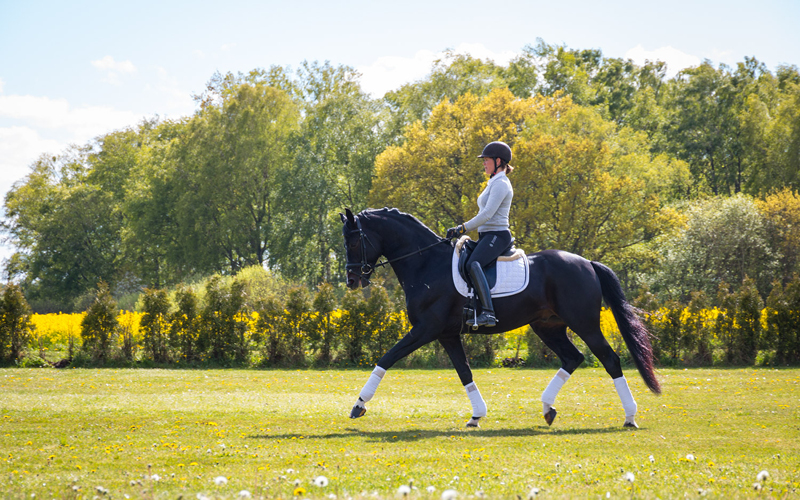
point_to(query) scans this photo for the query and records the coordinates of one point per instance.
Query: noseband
(365, 267)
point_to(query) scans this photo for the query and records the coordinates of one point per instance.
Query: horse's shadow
(423, 434)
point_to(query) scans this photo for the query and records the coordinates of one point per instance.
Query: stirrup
(484, 319)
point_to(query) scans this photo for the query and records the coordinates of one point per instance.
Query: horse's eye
(353, 244)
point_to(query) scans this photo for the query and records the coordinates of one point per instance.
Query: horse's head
(360, 251)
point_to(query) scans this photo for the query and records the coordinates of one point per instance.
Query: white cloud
(178, 101)
(82, 123)
(675, 59)
(1, 85)
(390, 72)
(109, 64)
(19, 147)
(113, 69)
(227, 46)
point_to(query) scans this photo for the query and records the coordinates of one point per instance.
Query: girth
(490, 270)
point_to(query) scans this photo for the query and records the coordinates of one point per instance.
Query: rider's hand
(455, 232)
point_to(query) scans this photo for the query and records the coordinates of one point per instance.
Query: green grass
(65, 432)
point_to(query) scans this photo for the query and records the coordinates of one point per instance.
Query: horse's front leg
(413, 340)
(455, 349)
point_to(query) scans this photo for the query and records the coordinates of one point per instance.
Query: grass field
(234, 433)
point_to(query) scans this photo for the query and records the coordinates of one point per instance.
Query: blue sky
(70, 71)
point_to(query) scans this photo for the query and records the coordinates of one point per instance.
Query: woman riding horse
(491, 222)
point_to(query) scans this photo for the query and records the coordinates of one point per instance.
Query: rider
(492, 224)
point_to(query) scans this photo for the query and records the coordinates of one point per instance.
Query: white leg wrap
(372, 384)
(555, 385)
(628, 403)
(478, 404)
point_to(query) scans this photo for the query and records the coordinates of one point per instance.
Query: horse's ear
(350, 217)
(341, 215)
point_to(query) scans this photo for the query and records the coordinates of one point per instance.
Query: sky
(71, 71)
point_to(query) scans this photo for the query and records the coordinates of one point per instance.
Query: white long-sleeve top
(494, 204)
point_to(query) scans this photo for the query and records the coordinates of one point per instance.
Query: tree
(781, 212)
(16, 328)
(724, 240)
(99, 325)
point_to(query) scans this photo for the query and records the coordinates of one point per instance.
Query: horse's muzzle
(355, 281)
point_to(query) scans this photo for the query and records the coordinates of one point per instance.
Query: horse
(564, 291)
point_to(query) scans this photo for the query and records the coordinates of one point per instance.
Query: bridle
(365, 267)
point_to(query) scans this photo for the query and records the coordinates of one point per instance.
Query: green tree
(16, 328)
(155, 324)
(99, 325)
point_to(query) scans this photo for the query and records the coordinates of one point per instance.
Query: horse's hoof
(357, 411)
(473, 422)
(550, 416)
(630, 425)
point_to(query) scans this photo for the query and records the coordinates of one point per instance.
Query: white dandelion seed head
(757, 486)
(403, 490)
(290, 471)
(296, 482)
(101, 490)
(533, 493)
(244, 494)
(155, 477)
(558, 465)
(321, 481)
(430, 489)
(332, 496)
(220, 480)
(200, 496)
(630, 477)
(762, 476)
(690, 457)
(449, 495)
(480, 494)
(222, 445)
(652, 459)
(455, 478)
(608, 494)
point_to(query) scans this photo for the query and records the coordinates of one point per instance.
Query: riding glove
(455, 232)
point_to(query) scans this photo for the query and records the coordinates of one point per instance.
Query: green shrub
(321, 328)
(223, 335)
(99, 326)
(748, 323)
(155, 324)
(15, 323)
(184, 324)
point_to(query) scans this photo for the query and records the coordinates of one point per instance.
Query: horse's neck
(402, 241)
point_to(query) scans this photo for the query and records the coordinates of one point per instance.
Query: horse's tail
(636, 336)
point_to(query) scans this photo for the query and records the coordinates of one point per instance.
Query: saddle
(507, 275)
(467, 246)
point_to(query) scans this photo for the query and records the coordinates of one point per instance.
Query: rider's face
(489, 165)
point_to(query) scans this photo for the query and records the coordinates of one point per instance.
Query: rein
(366, 268)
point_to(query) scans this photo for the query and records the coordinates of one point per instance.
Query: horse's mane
(393, 213)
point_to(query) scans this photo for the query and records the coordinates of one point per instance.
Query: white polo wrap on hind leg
(628, 403)
(478, 404)
(372, 384)
(555, 385)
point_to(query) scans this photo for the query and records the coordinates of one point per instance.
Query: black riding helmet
(497, 149)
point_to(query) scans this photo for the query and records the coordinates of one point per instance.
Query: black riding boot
(486, 317)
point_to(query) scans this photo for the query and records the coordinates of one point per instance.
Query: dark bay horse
(565, 290)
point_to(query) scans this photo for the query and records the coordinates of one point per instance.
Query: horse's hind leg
(555, 337)
(599, 346)
(455, 349)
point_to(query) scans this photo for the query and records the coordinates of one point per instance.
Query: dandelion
(630, 477)
(220, 480)
(296, 483)
(533, 493)
(298, 492)
(762, 476)
(155, 477)
(430, 489)
(690, 457)
(652, 459)
(757, 486)
(200, 496)
(101, 490)
(449, 495)
(245, 494)
(321, 481)
(403, 490)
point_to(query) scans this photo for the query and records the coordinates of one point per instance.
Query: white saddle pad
(513, 273)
